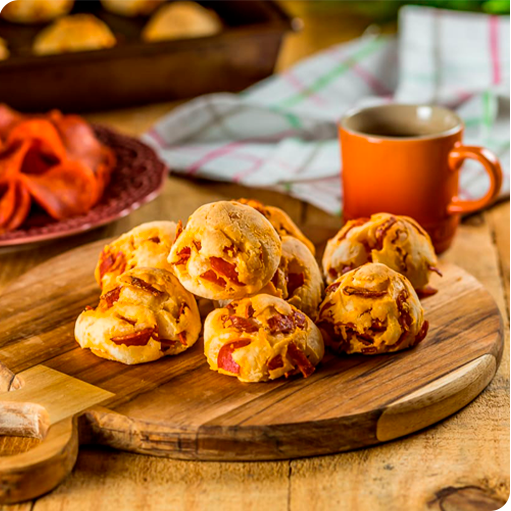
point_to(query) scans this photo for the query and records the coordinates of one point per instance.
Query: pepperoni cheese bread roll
(261, 338)
(397, 241)
(147, 316)
(131, 8)
(36, 11)
(74, 33)
(371, 310)
(298, 278)
(146, 245)
(227, 251)
(281, 221)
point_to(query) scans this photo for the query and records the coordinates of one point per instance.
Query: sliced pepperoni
(112, 296)
(22, 208)
(294, 281)
(405, 320)
(365, 293)
(132, 322)
(365, 339)
(300, 319)
(166, 344)
(110, 262)
(280, 324)
(382, 230)
(250, 310)
(298, 358)
(182, 338)
(378, 326)
(11, 159)
(275, 363)
(211, 276)
(7, 203)
(354, 223)
(225, 360)
(140, 338)
(142, 284)
(225, 269)
(422, 333)
(179, 230)
(230, 250)
(184, 254)
(247, 325)
(426, 291)
(8, 119)
(369, 350)
(45, 142)
(198, 245)
(66, 190)
(82, 145)
(326, 306)
(181, 310)
(332, 287)
(436, 270)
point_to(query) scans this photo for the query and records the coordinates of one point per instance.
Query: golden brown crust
(281, 221)
(131, 8)
(78, 32)
(371, 310)
(147, 316)
(226, 251)
(145, 245)
(36, 11)
(261, 338)
(298, 278)
(181, 20)
(397, 241)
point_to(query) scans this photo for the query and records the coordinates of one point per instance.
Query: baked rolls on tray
(371, 310)
(226, 251)
(78, 32)
(145, 245)
(181, 20)
(147, 316)
(131, 8)
(36, 11)
(281, 221)
(396, 241)
(261, 338)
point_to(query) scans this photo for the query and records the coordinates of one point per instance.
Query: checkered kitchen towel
(282, 133)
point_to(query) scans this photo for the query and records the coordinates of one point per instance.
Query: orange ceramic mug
(404, 159)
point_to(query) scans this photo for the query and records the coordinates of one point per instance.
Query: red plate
(137, 178)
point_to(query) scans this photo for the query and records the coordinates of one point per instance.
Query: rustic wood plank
(274, 420)
(498, 220)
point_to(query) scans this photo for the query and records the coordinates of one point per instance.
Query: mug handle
(492, 166)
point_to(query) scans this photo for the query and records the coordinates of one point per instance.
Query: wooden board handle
(42, 403)
(31, 474)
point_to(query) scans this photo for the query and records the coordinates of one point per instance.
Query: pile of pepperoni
(53, 160)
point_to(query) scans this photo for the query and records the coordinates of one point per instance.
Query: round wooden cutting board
(177, 407)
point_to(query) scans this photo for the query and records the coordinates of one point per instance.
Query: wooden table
(461, 463)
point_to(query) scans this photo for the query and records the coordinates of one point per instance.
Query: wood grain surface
(178, 407)
(464, 455)
(460, 464)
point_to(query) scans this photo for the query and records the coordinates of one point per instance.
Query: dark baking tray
(134, 72)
